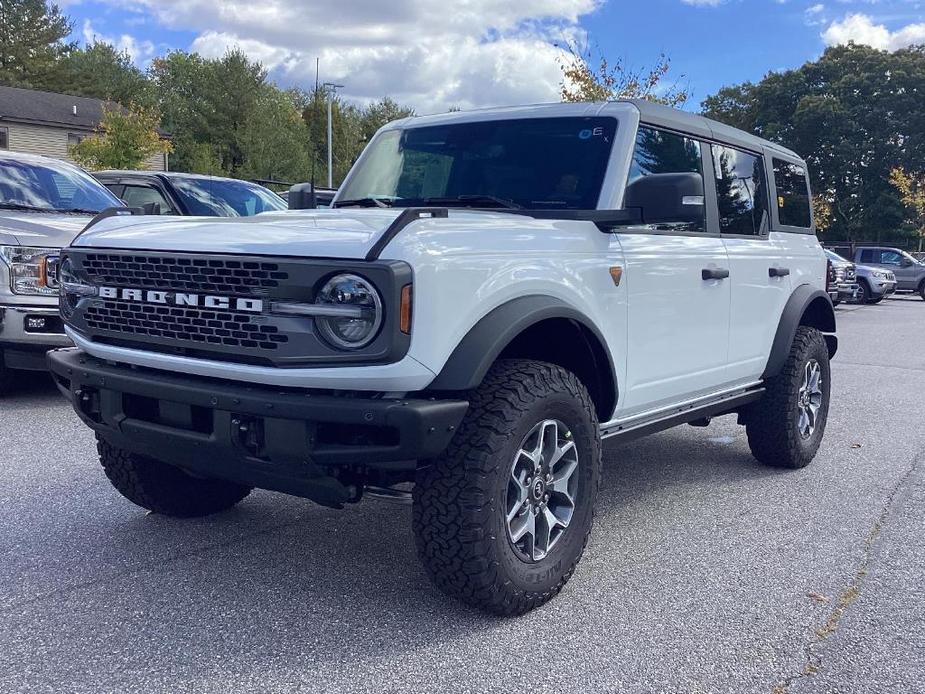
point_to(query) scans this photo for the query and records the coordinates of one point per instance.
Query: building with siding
(46, 123)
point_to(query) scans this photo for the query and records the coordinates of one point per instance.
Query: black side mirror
(668, 198)
(302, 197)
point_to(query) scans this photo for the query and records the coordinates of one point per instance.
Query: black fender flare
(486, 340)
(815, 304)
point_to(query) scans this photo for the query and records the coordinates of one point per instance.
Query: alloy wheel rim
(541, 490)
(809, 398)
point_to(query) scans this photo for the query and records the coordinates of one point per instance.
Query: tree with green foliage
(274, 140)
(32, 35)
(125, 138)
(102, 72)
(379, 113)
(208, 102)
(854, 114)
(590, 76)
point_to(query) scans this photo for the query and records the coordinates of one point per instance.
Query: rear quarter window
(793, 204)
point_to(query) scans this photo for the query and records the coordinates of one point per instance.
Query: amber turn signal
(404, 315)
(616, 273)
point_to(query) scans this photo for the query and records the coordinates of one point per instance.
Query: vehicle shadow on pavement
(292, 588)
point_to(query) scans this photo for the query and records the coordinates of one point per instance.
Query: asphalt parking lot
(706, 572)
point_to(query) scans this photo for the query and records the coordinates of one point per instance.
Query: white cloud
(140, 52)
(860, 28)
(703, 3)
(813, 16)
(429, 53)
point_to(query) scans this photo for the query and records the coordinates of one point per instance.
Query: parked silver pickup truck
(44, 203)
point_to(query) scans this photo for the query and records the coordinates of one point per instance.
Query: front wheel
(785, 427)
(502, 517)
(163, 488)
(863, 294)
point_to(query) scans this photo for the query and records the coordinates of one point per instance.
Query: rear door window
(793, 204)
(741, 192)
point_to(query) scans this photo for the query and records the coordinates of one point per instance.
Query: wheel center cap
(539, 489)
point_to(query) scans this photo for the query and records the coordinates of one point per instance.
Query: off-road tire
(772, 424)
(163, 488)
(459, 499)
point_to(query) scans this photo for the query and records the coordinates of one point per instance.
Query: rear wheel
(502, 517)
(786, 426)
(163, 488)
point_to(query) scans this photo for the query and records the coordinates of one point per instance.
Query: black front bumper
(285, 440)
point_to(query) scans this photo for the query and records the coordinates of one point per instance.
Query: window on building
(793, 204)
(741, 191)
(4, 138)
(74, 139)
(660, 152)
(139, 196)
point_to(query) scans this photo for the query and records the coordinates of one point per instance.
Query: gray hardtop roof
(695, 124)
(650, 113)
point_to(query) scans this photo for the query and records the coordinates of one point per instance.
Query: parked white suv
(494, 293)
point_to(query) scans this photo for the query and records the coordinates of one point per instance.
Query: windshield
(555, 163)
(51, 187)
(221, 197)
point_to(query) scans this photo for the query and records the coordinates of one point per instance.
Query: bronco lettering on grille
(182, 299)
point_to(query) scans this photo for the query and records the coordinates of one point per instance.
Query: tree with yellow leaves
(911, 187)
(588, 76)
(125, 138)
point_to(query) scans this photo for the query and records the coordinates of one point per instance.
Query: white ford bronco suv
(494, 294)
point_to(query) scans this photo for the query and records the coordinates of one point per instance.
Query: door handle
(714, 273)
(778, 271)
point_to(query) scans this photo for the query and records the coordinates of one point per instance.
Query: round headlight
(353, 311)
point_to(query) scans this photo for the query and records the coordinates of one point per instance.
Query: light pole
(331, 90)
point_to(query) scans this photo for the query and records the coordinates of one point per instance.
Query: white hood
(342, 233)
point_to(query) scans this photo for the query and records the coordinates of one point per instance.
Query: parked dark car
(191, 194)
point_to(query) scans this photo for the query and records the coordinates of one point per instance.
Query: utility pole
(331, 90)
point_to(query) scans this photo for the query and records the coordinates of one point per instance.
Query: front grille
(135, 321)
(210, 275)
(183, 324)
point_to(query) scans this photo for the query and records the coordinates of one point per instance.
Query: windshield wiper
(78, 210)
(26, 208)
(475, 201)
(364, 202)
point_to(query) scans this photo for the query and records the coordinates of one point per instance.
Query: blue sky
(436, 53)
